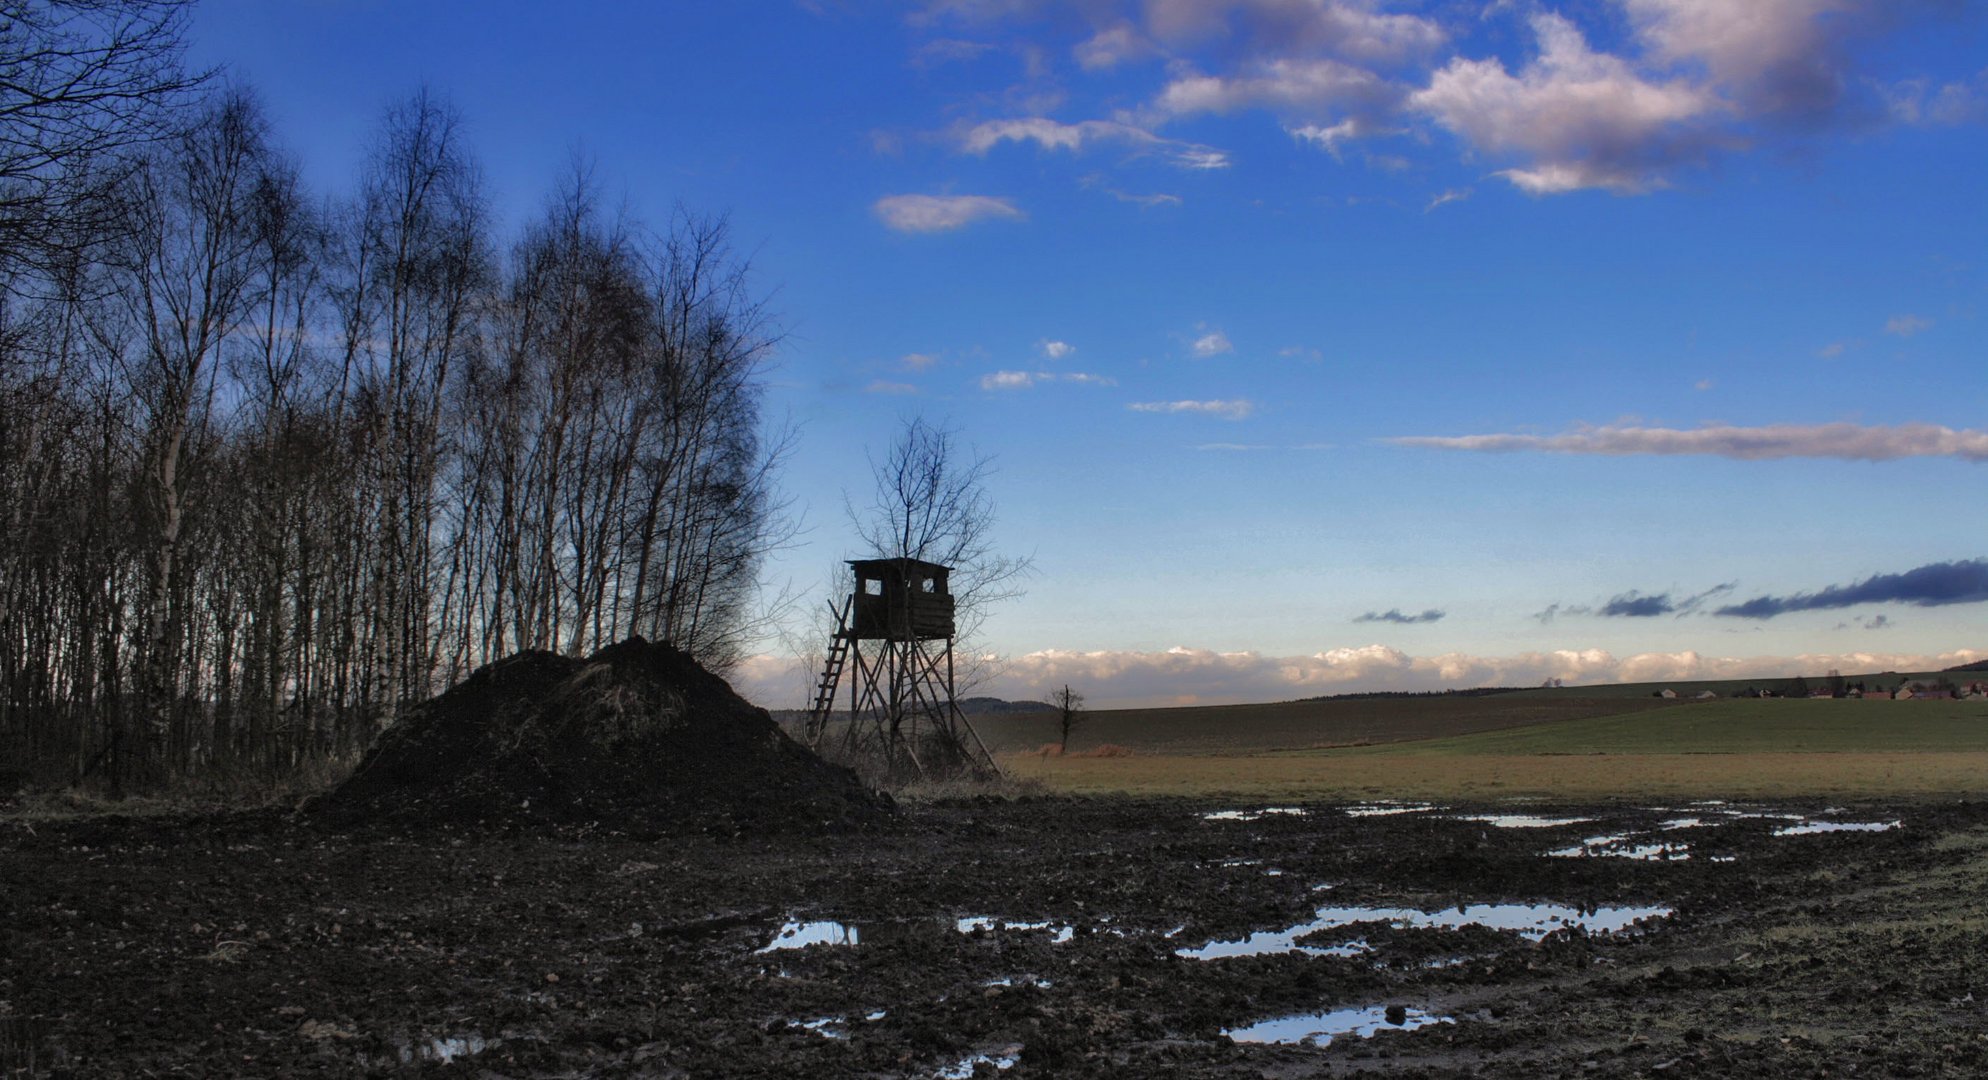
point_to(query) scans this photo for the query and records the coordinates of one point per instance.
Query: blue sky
(1553, 329)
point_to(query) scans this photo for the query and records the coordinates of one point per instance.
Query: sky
(1318, 345)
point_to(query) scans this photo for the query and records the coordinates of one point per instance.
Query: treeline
(274, 466)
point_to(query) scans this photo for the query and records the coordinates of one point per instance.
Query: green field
(1743, 726)
(1250, 729)
(1472, 748)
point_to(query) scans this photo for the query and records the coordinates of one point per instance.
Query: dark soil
(637, 734)
(259, 944)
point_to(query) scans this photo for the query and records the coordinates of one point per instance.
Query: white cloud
(1236, 409)
(1919, 103)
(1295, 27)
(1287, 85)
(1056, 350)
(1906, 325)
(1301, 352)
(1212, 343)
(1774, 57)
(1583, 119)
(1007, 380)
(884, 386)
(942, 213)
(918, 361)
(1144, 202)
(1327, 137)
(1024, 380)
(1112, 46)
(1447, 197)
(1119, 679)
(1056, 135)
(1850, 442)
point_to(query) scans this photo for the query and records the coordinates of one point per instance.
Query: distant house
(1703, 694)
(1666, 692)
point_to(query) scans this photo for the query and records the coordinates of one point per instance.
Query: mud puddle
(1320, 1028)
(1254, 815)
(964, 1067)
(1813, 828)
(1532, 922)
(1623, 846)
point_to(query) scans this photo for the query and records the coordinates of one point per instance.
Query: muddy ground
(253, 944)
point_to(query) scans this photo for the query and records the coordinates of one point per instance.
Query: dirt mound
(636, 736)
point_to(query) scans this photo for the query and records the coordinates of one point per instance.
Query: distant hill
(978, 706)
(1387, 695)
(1978, 665)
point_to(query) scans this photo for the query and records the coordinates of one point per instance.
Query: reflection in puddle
(1530, 921)
(1682, 823)
(1026, 980)
(1384, 808)
(1522, 821)
(1252, 815)
(1623, 847)
(828, 1027)
(1319, 1028)
(963, 1068)
(1809, 828)
(445, 1050)
(800, 935)
(973, 923)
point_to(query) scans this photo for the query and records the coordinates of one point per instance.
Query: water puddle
(1811, 828)
(1682, 823)
(828, 1027)
(1321, 1028)
(1384, 808)
(445, 1050)
(800, 935)
(1023, 980)
(963, 1068)
(1522, 821)
(1623, 847)
(974, 923)
(1252, 815)
(1530, 921)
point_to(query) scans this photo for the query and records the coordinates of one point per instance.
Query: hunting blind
(897, 627)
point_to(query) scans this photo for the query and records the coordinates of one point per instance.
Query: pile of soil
(637, 736)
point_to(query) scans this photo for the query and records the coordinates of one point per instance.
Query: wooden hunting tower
(897, 625)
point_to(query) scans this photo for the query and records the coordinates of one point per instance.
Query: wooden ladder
(831, 674)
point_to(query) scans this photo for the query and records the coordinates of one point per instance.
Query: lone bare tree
(931, 503)
(1069, 706)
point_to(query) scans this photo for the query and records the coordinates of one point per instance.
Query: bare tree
(930, 502)
(1069, 706)
(266, 474)
(182, 272)
(80, 81)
